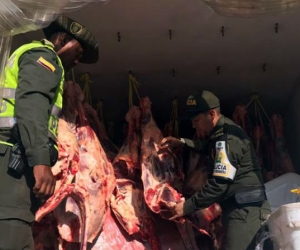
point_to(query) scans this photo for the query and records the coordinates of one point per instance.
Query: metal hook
(173, 72)
(170, 34)
(223, 30)
(276, 27)
(119, 36)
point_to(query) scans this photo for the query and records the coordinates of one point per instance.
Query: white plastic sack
(248, 8)
(284, 228)
(21, 16)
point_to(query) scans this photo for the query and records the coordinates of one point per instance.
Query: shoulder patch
(223, 168)
(47, 65)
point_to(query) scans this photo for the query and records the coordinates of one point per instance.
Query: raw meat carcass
(110, 149)
(96, 176)
(45, 233)
(85, 177)
(285, 164)
(112, 237)
(161, 175)
(65, 170)
(240, 117)
(126, 164)
(128, 202)
(131, 211)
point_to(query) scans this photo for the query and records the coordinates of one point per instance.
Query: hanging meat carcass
(283, 160)
(240, 117)
(112, 237)
(85, 176)
(126, 164)
(127, 202)
(45, 234)
(98, 127)
(161, 175)
(65, 170)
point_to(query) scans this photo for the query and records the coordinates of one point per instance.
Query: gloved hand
(171, 142)
(44, 182)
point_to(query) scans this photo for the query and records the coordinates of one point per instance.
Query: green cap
(79, 32)
(198, 103)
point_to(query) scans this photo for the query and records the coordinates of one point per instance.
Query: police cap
(78, 32)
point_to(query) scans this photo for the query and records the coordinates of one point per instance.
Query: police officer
(236, 182)
(32, 102)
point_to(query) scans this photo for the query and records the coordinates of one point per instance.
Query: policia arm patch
(223, 168)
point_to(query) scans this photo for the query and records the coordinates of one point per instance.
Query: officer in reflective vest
(236, 181)
(29, 114)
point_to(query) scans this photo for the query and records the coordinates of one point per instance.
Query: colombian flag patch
(43, 62)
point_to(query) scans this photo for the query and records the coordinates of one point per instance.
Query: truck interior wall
(292, 127)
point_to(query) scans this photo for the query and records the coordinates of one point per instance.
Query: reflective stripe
(56, 111)
(9, 93)
(7, 122)
(6, 143)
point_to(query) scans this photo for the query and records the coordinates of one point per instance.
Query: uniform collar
(219, 126)
(47, 42)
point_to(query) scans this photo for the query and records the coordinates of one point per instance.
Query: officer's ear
(212, 114)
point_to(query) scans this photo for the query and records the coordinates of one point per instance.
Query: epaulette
(218, 133)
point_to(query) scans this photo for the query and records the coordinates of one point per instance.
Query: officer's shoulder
(235, 132)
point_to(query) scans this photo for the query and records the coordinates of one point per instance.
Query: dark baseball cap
(199, 102)
(78, 32)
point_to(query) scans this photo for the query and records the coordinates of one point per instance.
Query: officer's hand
(171, 142)
(44, 181)
(178, 210)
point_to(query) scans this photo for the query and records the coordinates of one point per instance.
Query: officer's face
(70, 54)
(203, 123)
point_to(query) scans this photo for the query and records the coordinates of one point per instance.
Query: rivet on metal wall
(173, 72)
(119, 36)
(276, 27)
(170, 34)
(218, 69)
(223, 30)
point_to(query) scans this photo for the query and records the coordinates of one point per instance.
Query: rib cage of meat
(96, 176)
(86, 181)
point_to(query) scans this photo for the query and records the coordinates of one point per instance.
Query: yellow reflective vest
(7, 111)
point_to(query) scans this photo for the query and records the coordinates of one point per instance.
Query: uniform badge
(223, 169)
(75, 28)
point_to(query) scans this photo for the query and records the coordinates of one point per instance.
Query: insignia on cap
(191, 101)
(75, 28)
